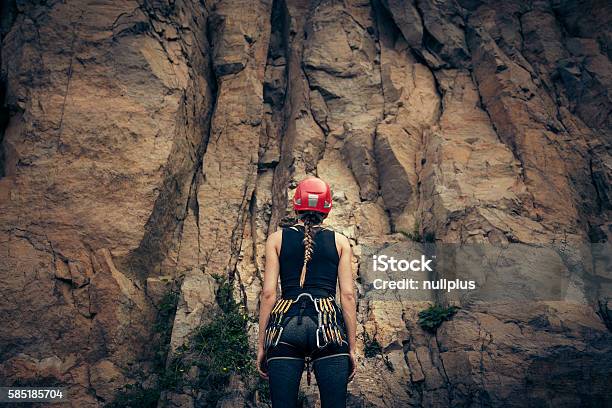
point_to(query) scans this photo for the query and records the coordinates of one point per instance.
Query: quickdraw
(328, 328)
(275, 328)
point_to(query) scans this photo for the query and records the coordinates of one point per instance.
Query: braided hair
(311, 220)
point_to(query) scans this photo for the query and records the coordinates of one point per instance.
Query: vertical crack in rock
(401, 137)
(192, 209)
(602, 188)
(162, 244)
(8, 11)
(4, 120)
(250, 266)
(437, 356)
(240, 35)
(69, 72)
(341, 66)
(297, 117)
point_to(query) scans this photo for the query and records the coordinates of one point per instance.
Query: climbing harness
(328, 328)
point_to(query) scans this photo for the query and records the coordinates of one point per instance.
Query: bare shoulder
(341, 240)
(276, 236)
(274, 242)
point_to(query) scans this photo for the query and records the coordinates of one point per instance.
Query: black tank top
(321, 271)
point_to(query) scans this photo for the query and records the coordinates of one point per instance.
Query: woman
(306, 327)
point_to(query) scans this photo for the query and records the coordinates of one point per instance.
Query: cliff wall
(150, 144)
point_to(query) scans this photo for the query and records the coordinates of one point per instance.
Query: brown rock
(195, 306)
(106, 379)
(145, 142)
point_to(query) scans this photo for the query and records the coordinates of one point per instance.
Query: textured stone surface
(153, 141)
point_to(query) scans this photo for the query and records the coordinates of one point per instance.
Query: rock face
(154, 138)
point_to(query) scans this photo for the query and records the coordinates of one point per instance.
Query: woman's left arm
(267, 297)
(346, 282)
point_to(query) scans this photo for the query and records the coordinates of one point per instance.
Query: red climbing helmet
(312, 194)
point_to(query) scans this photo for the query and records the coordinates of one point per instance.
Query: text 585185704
(32, 394)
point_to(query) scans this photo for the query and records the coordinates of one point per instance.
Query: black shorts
(298, 340)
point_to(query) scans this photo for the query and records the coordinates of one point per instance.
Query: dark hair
(310, 219)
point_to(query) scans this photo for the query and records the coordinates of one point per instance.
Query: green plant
(222, 349)
(218, 349)
(432, 317)
(224, 296)
(172, 378)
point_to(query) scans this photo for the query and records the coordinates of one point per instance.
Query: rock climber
(305, 327)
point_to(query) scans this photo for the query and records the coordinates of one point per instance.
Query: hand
(261, 363)
(353, 362)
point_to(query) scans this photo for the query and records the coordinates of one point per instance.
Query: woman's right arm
(267, 297)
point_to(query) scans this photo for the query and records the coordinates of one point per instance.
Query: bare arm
(347, 289)
(268, 292)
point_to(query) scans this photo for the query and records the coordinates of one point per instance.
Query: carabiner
(318, 339)
(280, 332)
